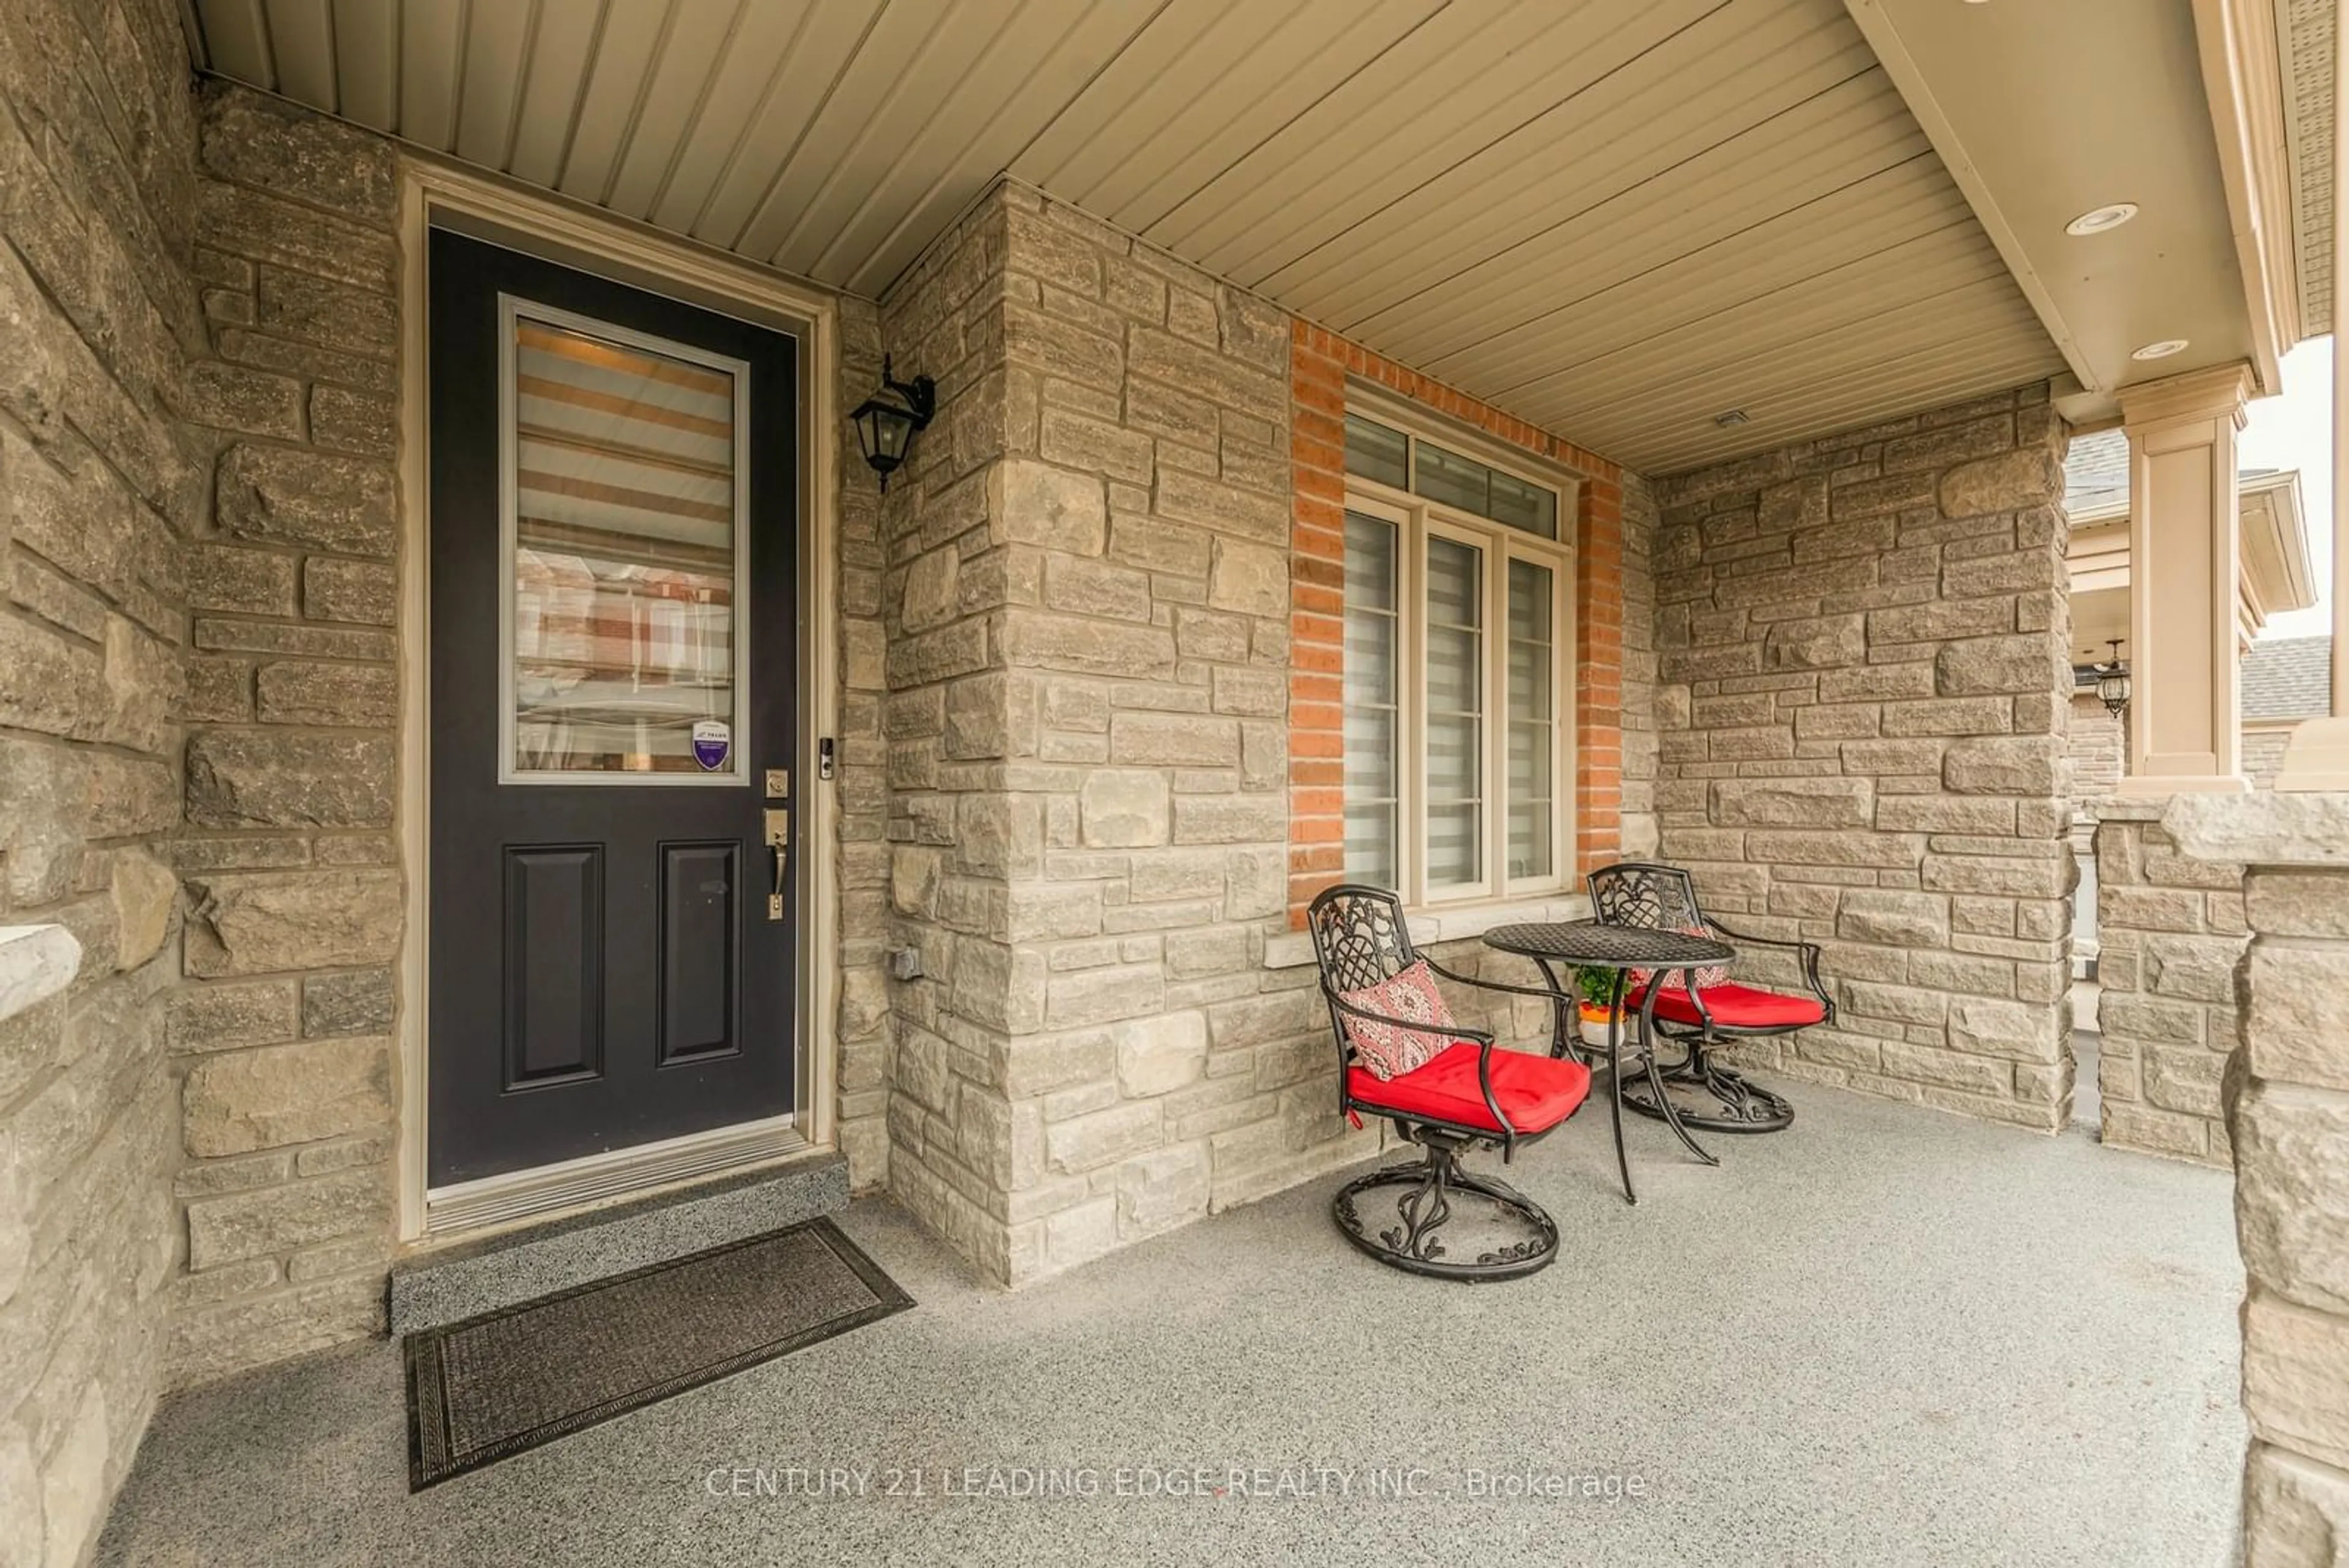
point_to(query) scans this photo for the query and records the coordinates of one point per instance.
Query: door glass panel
(624, 490)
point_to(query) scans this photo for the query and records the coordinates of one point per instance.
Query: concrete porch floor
(1886, 1336)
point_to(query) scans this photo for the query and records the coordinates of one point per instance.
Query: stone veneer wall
(1862, 704)
(285, 1031)
(2287, 1107)
(861, 784)
(2098, 746)
(97, 319)
(1088, 668)
(2170, 932)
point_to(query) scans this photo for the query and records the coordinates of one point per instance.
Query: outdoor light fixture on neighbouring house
(2113, 680)
(884, 429)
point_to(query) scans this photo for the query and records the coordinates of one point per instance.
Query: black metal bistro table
(1587, 944)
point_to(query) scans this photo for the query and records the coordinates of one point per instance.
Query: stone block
(1793, 803)
(2002, 664)
(1086, 1143)
(1173, 740)
(2007, 481)
(2138, 1126)
(2017, 1029)
(362, 1001)
(277, 496)
(1030, 503)
(2296, 1378)
(1158, 1055)
(245, 582)
(1894, 919)
(239, 1102)
(1082, 997)
(261, 922)
(1033, 640)
(1160, 1189)
(1249, 579)
(2018, 765)
(2297, 903)
(342, 419)
(2292, 1198)
(223, 1017)
(145, 893)
(256, 139)
(1231, 819)
(271, 1220)
(1125, 808)
(2295, 1512)
(1950, 716)
(2297, 1010)
(248, 778)
(1817, 644)
(363, 591)
(300, 693)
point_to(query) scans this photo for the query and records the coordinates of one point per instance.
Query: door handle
(778, 842)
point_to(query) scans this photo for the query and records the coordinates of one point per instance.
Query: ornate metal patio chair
(1464, 1095)
(1714, 1008)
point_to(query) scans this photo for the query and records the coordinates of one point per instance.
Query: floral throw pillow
(1390, 1050)
(1707, 975)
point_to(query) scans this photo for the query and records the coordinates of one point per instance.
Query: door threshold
(467, 1207)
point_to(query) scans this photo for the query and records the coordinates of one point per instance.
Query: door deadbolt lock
(778, 844)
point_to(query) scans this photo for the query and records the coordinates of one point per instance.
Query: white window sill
(1445, 923)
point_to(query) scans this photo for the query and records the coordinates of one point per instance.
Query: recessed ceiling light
(2098, 220)
(2161, 350)
(1730, 417)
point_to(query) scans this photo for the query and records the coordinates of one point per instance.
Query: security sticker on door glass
(713, 739)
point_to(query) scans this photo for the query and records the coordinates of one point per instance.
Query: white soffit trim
(2020, 101)
(2242, 79)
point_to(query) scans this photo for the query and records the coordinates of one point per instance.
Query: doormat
(498, 1384)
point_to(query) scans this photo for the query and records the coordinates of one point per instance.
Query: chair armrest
(1810, 956)
(1545, 992)
(1410, 1025)
(1483, 1041)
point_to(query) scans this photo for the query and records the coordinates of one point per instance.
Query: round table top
(1593, 945)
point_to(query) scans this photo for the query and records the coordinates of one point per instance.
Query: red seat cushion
(1734, 1006)
(1535, 1093)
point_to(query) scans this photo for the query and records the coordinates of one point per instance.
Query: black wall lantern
(2113, 680)
(885, 428)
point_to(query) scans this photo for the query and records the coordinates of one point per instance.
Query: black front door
(614, 486)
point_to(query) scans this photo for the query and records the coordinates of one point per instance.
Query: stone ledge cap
(35, 963)
(2125, 808)
(2268, 828)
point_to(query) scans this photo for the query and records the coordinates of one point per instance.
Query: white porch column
(2185, 703)
(2318, 755)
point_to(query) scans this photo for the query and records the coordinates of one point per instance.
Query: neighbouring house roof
(2096, 474)
(2288, 678)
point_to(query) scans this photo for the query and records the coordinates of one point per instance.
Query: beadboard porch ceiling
(1618, 219)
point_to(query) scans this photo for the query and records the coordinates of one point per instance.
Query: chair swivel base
(1415, 1242)
(1719, 1099)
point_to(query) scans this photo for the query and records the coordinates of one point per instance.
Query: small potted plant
(1595, 986)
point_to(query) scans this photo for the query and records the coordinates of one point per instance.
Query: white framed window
(1458, 690)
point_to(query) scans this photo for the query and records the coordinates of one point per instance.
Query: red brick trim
(1319, 362)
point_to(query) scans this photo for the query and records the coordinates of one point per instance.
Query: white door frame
(436, 191)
